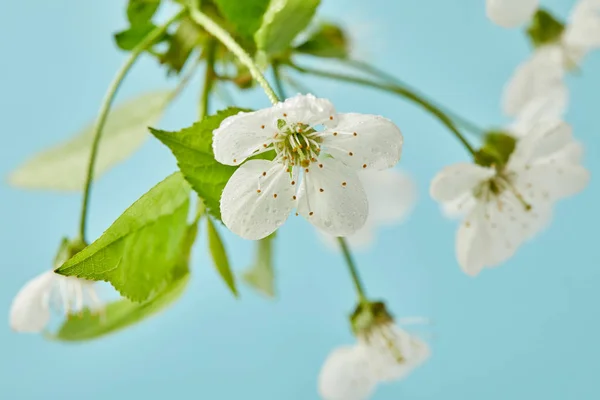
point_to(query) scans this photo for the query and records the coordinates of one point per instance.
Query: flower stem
(209, 77)
(360, 290)
(370, 69)
(105, 108)
(278, 81)
(224, 37)
(399, 90)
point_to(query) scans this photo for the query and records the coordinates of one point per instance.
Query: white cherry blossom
(318, 152)
(542, 75)
(511, 13)
(31, 308)
(506, 206)
(391, 195)
(385, 354)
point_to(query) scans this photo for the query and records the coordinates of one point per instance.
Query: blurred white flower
(542, 75)
(31, 308)
(260, 195)
(391, 194)
(507, 205)
(384, 353)
(511, 13)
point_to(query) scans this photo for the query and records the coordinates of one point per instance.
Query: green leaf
(544, 29)
(192, 147)
(64, 167)
(219, 255)
(120, 314)
(283, 20)
(139, 251)
(181, 44)
(141, 11)
(131, 37)
(328, 41)
(261, 275)
(246, 16)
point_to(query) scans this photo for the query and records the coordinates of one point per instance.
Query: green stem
(224, 37)
(209, 77)
(378, 73)
(360, 290)
(393, 89)
(105, 108)
(278, 81)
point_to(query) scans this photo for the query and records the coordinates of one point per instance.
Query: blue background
(526, 330)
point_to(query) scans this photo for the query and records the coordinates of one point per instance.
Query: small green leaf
(64, 167)
(192, 147)
(181, 44)
(328, 41)
(219, 255)
(131, 37)
(544, 29)
(246, 16)
(139, 251)
(141, 11)
(283, 20)
(261, 275)
(120, 314)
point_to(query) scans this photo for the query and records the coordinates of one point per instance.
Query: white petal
(583, 30)
(544, 139)
(243, 134)
(550, 107)
(364, 141)
(511, 13)
(556, 176)
(30, 311)
(332, 198)
(392, 353)
(455, 181)
(539, 77)
(344, 375)
(252, 214)
(306, 109)
(391, 193)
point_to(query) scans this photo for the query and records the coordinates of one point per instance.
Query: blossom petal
(583, 30)
(241, 135)
(539, 77)
(511, 13)
(364, 141)
(306, 109)
(30, 311)
(332, 198)
(536, 111)
(257, 199)
(344, 377)
(545, 138)
(391, 193)
(456, 180)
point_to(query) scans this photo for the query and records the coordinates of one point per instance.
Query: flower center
(297, 144)
(494, 187)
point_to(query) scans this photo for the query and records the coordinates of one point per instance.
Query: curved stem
(460, 120)
(224, 37)
(278, 81)
(360, 290)
(443, 118)
(209, 77)
(105, 108)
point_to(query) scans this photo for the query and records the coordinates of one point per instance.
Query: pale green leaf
(64, 167)
(139, 251)
(283, 20)
(261, 275)
(192, 147)
(246, 16)
(141, 11)
(120, 314)
(219, 256)
(327, 40)
(181, 45)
